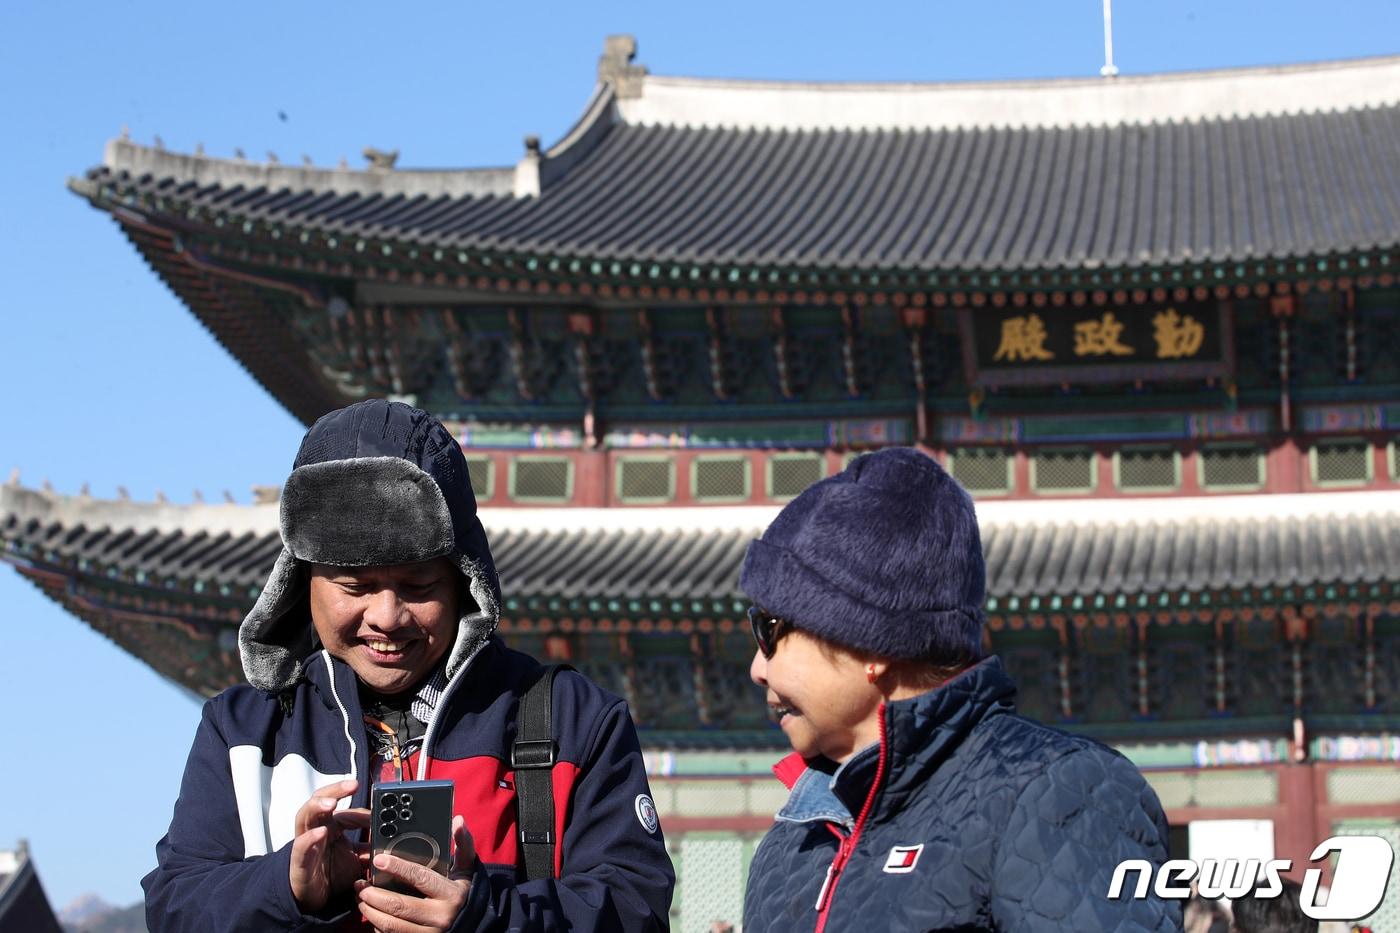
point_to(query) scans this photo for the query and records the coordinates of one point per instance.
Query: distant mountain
(84, 907)
(107, 920)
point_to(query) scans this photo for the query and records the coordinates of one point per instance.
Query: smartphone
(411, 820)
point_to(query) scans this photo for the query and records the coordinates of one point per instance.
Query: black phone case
(412, 820)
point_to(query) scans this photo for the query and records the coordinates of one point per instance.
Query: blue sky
(112, 382)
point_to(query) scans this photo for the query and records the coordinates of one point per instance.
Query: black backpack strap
(532, 759)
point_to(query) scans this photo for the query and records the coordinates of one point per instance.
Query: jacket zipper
(430, 731)
(848, 844)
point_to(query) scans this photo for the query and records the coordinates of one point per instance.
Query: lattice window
(1063, 471)
(1103, 674)
(645, 479)
(542, 479)
(1341, 463)
(720, 479)
(1231, 468)
(1147, 469)
(483, 474)
(789, 474)
(711, 881)
(1036, 671)
(985, 470)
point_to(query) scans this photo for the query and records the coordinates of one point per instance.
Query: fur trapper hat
(375, 483)
(884, 557)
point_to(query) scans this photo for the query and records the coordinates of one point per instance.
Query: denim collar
(814, 797)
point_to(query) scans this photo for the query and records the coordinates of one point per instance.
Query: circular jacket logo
(646, 813)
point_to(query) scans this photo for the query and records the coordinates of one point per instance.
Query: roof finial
(123, 493)
(85, 491)
(199, 496)
(306, 159)
(381, 159)
(160, 497)
(1109, 70)
(527, 170)
(271, 156)
(160, 143)
(199, 149)
(14, 477)
(48, 486)
(615, 66)
(126, 133)
(228, 497)
(238, 153)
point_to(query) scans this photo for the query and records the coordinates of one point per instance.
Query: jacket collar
(922, 732)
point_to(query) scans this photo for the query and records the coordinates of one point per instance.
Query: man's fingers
(338, 789)
(464, 848)
(322, 803)
(357, 818)
(420, 877)
(306, 848)
(391, 911)
(388, 923)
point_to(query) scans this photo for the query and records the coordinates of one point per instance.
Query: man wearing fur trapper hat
(919, 799)
(371, 656)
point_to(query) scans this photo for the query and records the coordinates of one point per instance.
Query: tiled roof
(666, 555)
(865, 177)
(965, 199)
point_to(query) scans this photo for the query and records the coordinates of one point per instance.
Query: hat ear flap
(277, 632)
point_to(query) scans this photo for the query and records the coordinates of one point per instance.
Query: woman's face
(820, 695)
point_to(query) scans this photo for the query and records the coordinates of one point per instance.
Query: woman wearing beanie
(920, 799)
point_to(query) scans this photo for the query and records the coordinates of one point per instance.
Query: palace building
(1151, 323)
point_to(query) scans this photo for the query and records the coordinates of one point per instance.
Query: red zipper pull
(833, 871)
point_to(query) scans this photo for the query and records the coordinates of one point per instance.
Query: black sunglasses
(767, 629)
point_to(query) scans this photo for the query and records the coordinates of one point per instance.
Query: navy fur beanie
(884, 557)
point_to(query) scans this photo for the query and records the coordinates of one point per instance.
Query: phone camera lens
(405, 799)
(405, 814)
(389, 800)
(389, 830)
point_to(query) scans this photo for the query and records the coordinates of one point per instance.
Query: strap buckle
(536, 754)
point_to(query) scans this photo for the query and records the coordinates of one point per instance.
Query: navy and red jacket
(964, 817)
(224, 864)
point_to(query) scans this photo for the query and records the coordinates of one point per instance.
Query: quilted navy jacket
(965, 817)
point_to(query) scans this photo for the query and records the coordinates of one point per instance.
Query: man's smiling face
(391, 623)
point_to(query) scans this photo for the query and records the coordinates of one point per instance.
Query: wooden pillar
(1301, 825)
(1286, 466)
(592, 479)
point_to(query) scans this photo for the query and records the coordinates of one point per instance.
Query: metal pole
(1109, 69)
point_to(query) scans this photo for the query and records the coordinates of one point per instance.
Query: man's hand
(441, 900)
(324, 863)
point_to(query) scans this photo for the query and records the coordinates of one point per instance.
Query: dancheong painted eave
(685, 182)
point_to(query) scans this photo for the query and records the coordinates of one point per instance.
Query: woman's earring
(870, 673)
